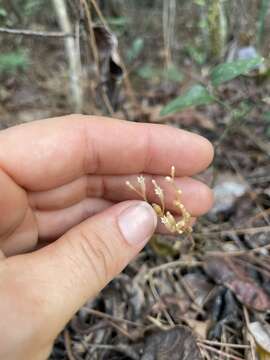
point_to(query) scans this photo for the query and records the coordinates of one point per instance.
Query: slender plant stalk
(217, 28)
(92, 39)
(168, 22)
(26, 32)
(262, 17)
(76, 93)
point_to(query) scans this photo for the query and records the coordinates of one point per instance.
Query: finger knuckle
(97, 255)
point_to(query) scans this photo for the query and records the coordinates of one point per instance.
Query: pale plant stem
(68, 345)
(92, 39)
(217, 343)
(250, 231)
(157, 298)
(26, 32)
(94, 48)
(219, 352)
(110, 317)
(177, 263)
(249, 336)
(168, 22)
(74, 63)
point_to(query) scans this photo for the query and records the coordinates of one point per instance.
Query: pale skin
(63, 235)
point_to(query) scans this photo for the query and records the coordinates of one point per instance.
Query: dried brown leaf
(174, 344)
(231, 273)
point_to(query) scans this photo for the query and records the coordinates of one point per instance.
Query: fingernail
(137, 223)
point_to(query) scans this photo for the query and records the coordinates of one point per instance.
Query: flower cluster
(170, 222)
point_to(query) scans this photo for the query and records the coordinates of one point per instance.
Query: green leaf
(197, 95)
(228, 71)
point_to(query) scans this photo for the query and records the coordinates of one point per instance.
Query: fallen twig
(217, 343)
(110, 317)
(53, 34)
(221, 353)
(177, 263)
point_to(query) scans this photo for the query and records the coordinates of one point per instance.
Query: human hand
(69, 224)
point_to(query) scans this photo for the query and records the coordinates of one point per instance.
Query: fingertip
(205, 200)
(196, 196)
(209, 152)
(205, 152)
(194, 153)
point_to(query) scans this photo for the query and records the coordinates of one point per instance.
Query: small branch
(249, 336)
(68, 345)
(52, 34)
(172, 264)
(110, 317)
(92, 39)
(249, 231)
(219, 352)
(217, 343)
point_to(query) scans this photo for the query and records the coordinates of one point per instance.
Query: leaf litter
(191, 301)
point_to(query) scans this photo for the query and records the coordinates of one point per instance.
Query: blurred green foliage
(196, 54)
(135, 50)
(262, 18)
(13, 61)
(200, 95)
(216, 28)
(18, 12)
(197, 95)
(266, 118)
(31, 7)
(3, 12)
(118, 24)
(228, 71)
(151, 72)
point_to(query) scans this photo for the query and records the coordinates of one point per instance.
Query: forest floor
(216, 281)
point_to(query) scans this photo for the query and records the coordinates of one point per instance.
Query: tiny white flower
(141, 180)
(164, 220)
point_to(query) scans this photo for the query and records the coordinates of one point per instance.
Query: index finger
(48, 153)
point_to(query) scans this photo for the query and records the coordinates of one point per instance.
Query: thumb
(76, 267)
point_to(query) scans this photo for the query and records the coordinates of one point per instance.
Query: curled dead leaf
(174, 344)
(233, 274)
(110, 67)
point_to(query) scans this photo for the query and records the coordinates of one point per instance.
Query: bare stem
(25, 32)
(72, 54)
